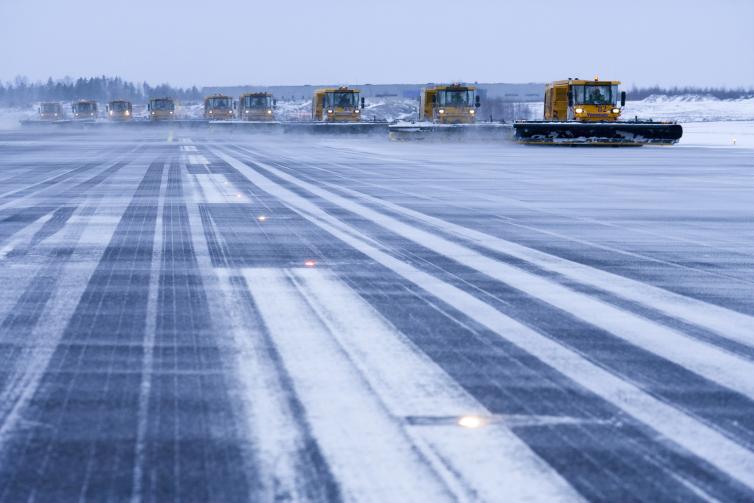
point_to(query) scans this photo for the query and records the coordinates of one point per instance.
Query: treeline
(21, 92)
(639, 93)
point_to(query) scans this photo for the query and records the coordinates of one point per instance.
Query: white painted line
(188, 148)
(706, 359)
(677, 426)
(725, 322)
(197, 159)
(363, 445)
(218, 189)
(491, 459)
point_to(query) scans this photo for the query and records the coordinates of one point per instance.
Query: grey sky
(224, 42)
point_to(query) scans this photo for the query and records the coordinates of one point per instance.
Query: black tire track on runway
(620, 460)
(193, 439)
(85, 410)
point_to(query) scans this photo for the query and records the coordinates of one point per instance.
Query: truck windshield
(84, 107)
(456, 98)
(257, 101)
(118, 106)
(163, 105)
(50, 108)
(342, 99)
(219, 102)
(595, 94)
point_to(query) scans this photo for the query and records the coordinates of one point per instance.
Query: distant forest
(23, 93)
(639, 93)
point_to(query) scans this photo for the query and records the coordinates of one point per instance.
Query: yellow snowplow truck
(161, 109)
(449, 104)
(587, 112)
(84, 110)
(341, 104)
(120, 110)
(256, 107)
(51, 111)
(448, 110)
(219, 107)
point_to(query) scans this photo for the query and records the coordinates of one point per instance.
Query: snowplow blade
(335, 128)
(598, 133)
(407, 131)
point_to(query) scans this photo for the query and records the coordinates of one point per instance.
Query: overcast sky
(225, 42)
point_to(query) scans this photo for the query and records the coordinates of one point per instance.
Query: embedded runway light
(310, 263)
(261, 218)
(470, 422)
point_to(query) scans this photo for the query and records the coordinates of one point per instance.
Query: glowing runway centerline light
(310, 263)
(470, 422)
(261, 218)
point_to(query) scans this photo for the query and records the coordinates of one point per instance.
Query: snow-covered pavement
(197, 316)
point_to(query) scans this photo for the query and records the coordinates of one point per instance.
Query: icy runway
(188, 316)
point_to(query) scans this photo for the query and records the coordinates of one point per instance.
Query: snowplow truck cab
(219, 107)
(120, 110)
(84, 110)
(256, 107)
(161, 109)
(449, 104)
(341, 104)
(587, 112)
(50, 111)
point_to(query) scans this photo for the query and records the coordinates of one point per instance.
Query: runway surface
(189, 316)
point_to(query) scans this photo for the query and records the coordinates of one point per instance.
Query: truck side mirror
(362, 102)
(434, 99)
(478, 102)
(623, 98)
(149, 107)
(570, 98)
(274, 103)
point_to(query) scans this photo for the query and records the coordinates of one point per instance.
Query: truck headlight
(441, 111)
(616, 110)
(171, 113)
(358, 111)
(472, 112)
(579, 110)
(111, 112)
(269, 112)
(128, 113)
(329, 111)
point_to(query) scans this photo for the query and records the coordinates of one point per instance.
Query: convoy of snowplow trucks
(576, 112)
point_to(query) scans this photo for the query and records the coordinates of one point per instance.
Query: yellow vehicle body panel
(557, 107)
(256, 113)
(431, 109)
(336, 113)
(212, 112)
(51, 111)
(114, 114)
(165, 111)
